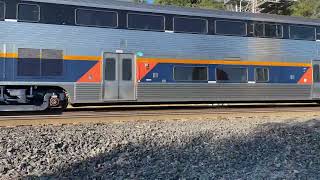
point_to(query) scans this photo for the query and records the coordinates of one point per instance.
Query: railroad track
(124, 113)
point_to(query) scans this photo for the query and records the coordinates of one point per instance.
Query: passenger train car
(55, 52)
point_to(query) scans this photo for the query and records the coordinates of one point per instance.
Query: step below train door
(119, 77)
(315, 93)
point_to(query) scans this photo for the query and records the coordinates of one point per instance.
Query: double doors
(119, 77)
(315, 93)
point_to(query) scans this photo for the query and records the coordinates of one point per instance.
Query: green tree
(306, 8)
(208, 4)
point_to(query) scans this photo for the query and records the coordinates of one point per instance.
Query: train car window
(259, 29)
(51, 62)
(127, 69)
(302, 32)
(184, 73)
(28, 62)
(110, 70)
(318, 33)
(261, 75)
(28, 12)
(231, 75)
(268, 30)
(96, 18)
(273, 30)
(190, 25)
(2, 10)
(236, 28)
(145, 22)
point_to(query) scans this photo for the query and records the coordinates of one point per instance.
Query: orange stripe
(94, 58)
(8, 55)
(231, 62)
(178, 61)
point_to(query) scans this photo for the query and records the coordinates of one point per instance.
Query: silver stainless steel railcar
(97, 51)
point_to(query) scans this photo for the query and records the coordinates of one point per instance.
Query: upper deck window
(236, 28)
(97, 18)
(28, 12)
(268, 30)
(145, 22)
(2, 10)
(302, 32)
(190, 25)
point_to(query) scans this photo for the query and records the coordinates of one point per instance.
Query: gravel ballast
(181, 148)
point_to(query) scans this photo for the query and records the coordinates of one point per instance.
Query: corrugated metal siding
(221, 92)
(93, 41)
(88, 92)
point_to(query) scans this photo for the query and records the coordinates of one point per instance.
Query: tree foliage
(306, 8)
(208, 4)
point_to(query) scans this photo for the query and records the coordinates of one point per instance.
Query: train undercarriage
(32, 98)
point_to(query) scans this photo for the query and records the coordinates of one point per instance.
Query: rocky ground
(181, 148)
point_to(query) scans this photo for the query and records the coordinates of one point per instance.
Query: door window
(110, 70)
(127, 69)
(316, 74)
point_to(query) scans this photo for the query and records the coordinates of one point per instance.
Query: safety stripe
(178, 61)
(71, 57)
(229, 62)
(88, 58)
(8, 55)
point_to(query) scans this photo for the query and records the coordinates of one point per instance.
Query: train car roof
(112, 4)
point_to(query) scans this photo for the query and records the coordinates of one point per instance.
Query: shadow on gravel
(275, 150)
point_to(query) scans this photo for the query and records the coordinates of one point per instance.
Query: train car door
(119, 77)
(315, 93)
(2, 62)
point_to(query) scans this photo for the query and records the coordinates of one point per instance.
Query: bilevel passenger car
(55, 52)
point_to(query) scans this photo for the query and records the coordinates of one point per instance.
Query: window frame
(88, 9)
(297, 25)
(215, 28)
(4, 10)
(255, 74)
(264, 30)
(182, 17)
(224, 81)
(146, 14)
(39, 14)
(173, 73)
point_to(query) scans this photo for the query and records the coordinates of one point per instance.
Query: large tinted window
(232, 74)
(2, 10)
(96, 18)
(302, 32)
(51, 62)
(145, 22)
(190, 25)
(231, 28)
(28, 62)
(182, 73)
(28, 12)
